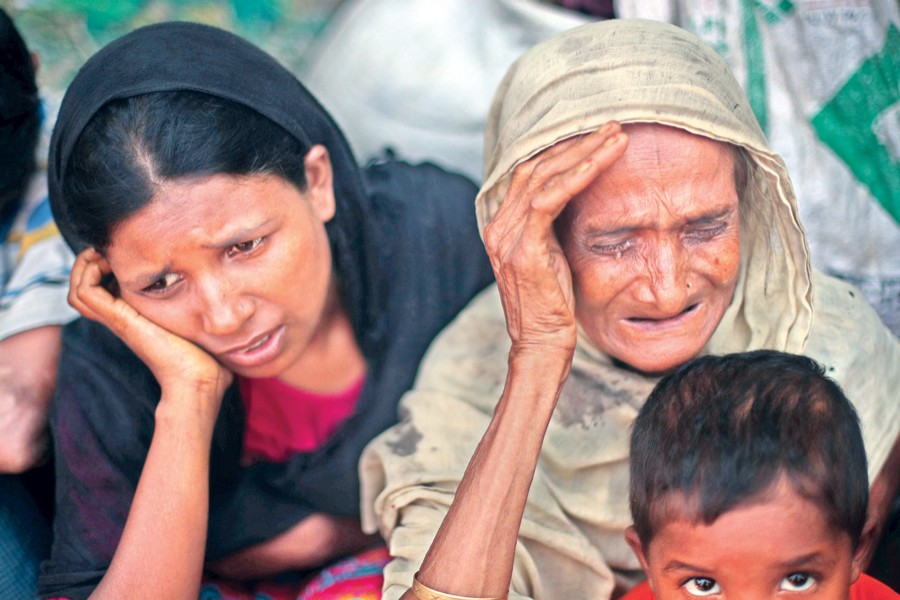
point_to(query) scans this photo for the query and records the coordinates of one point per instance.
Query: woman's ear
(320, 182)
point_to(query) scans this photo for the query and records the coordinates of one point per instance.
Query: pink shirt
(282, 420)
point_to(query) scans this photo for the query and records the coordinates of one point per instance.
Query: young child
(748, 480)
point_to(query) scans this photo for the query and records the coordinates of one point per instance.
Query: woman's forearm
(472, 554)
(160, 554)
(312, 542)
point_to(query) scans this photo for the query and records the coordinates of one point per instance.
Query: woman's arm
(164, 538)
(472, 554)
(312, 542)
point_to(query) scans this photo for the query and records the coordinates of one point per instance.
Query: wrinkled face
(654, 248)
(241, 266)
(779, 547)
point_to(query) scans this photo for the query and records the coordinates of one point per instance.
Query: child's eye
(701, 586)
(246, 247)
(797, 582)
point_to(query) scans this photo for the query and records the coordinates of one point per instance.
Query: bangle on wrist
(423, 592)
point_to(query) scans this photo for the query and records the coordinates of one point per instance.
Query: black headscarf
(180, 56)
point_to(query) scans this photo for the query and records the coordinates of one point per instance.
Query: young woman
(256, 306)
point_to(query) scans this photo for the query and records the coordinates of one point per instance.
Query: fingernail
(613, 139)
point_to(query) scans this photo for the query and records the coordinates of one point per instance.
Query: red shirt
(865, 588)
(282, 420)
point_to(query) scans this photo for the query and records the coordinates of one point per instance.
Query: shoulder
(431, 252)
(641, 591)
(859, 352)
(423, 191)
(34, 267)
(846, 332)
(867, 588)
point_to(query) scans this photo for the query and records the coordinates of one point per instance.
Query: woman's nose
(225, 307)
(666, 278)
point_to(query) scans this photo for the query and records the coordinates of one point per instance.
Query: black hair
(131, 145)
(720, 431)
(20, 116)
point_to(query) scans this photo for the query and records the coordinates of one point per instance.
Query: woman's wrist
(423, 592)
(192, 411)
(546, 367)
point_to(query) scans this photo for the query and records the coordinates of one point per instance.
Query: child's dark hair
(20, 117)
(131, 145)
(721, 430)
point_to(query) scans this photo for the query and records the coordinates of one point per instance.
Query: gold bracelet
(424, 592)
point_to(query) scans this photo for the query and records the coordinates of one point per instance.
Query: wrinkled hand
(533, 277)
(175, 362)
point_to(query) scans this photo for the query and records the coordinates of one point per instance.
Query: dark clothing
(407, 258)
(431, 263)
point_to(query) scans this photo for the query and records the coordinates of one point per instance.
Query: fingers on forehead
(576, 147)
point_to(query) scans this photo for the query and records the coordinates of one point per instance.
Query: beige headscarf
(571, 541)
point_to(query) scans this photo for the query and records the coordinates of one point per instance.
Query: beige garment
(571, 541)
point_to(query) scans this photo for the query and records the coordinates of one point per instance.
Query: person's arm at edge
(881, 496)
(27, 375)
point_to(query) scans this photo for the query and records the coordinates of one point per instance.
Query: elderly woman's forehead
(669, 134)
(653, 145)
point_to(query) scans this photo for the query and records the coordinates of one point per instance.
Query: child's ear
(864, 549)
(631, 536)
(320, 182)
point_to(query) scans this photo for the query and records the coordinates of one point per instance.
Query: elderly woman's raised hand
(174, 361)
(474, 549)
(533, 277)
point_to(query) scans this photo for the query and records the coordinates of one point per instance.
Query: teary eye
(616, 249)
(797, 582)
(701, 586)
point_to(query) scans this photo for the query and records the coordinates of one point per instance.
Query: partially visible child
(748, 480)
(34, 281)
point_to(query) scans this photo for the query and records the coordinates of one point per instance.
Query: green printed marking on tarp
(849, 123)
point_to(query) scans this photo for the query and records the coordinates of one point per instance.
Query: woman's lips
(665, 322)
(258, 352)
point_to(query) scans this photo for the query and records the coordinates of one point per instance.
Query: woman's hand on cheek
(533, 277)
(176, 363)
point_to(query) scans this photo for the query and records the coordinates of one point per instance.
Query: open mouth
(259, 351)
(686, 311)
(256, 345)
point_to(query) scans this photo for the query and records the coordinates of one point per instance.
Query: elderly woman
(256, 305)
(621, 252)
